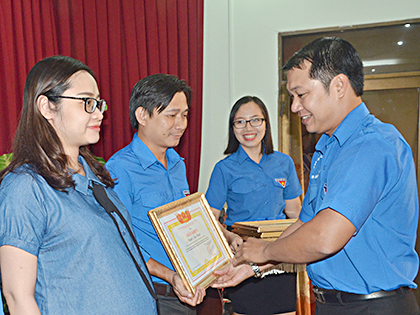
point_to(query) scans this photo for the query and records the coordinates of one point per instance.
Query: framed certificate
(192, 239)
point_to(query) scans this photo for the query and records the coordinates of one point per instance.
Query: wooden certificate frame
(192, 238)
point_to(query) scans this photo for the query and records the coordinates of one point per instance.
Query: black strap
(102, 198)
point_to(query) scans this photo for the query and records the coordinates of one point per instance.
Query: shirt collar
(241, 155)
(346, 128)
(146, 157)
(83, 182)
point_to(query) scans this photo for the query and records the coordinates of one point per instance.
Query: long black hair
(36, 142)
(267, 141)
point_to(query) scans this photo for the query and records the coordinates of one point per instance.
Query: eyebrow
(89, 93)
(256, 115)
(176, 110)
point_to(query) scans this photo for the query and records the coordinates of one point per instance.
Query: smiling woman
(257, 183)
(68, 242)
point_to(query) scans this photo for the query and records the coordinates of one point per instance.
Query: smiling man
(357, 227)
(149, 173)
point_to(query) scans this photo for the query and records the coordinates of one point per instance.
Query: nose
(181, 123)
(97, 114)
(248, 125)
(296, 105)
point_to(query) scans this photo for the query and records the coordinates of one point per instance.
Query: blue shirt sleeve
(294, 189)
(216, 194)
(22, 215)
(356, 184)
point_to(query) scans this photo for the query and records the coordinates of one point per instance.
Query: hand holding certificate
(192, 239)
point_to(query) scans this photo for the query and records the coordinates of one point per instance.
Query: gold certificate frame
(192, 239)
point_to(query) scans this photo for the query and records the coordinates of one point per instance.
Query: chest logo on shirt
(325, 188)
(186, 193)
(183, 217)
(281, 181)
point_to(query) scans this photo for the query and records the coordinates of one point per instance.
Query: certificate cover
(192, 239)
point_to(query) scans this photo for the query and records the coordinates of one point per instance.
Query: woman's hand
(231, 276)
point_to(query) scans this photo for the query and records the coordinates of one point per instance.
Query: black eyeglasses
(254, 122)
(90, 103)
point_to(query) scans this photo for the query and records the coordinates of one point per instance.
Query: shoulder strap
(102, 198)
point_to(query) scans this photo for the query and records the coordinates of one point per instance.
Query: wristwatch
(256, 270)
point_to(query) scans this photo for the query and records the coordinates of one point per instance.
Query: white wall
(240, 53)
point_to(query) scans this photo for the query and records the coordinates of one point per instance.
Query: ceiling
(383, 49)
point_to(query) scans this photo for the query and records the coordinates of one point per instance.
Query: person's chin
(93, 140)
(173, 143)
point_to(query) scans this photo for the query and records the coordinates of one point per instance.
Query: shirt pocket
(312, 193)
(154, 199)
(246, 185)
(278, 194)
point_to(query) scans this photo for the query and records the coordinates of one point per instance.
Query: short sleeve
(358, 182)
(294, 189)
(216, 194)
(22, 213)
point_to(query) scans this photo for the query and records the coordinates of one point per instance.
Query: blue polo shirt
(253, 191)
(83, 265)
(142, 184)
(365, 171)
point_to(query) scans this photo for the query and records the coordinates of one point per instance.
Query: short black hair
(329, 57)
(267, 141)
(156, 92)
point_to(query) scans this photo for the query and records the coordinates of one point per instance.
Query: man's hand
(252, 250)
(184, 295)
(231, 276)
(235, 241)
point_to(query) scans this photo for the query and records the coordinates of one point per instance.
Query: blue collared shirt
(253, 191)
(142, 184)
(83, 264)
(365, 171)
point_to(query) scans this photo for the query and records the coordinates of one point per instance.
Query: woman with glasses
(61, 252)
(257, 183)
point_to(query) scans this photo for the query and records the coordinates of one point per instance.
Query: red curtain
(122, 41)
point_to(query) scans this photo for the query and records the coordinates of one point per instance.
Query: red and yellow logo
(281, 181)
(183, 217)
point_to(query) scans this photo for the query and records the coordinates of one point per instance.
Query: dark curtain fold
(122, 41)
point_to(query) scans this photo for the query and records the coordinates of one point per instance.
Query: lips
(305, 118)
(250, 137)
(95, 128)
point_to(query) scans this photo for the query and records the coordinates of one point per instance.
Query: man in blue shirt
(357, 227)
(149, 173)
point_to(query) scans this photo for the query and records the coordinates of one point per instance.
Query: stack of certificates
(268, 230)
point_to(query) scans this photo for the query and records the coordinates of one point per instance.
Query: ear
(340, 85)
(141, 115)
(44, 107)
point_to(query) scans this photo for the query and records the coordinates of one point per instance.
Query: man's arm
(158, 270)
(319, 238)
(18, 273)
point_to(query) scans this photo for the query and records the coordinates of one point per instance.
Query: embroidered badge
(281, 181)
(186, 193)
(325, 188)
